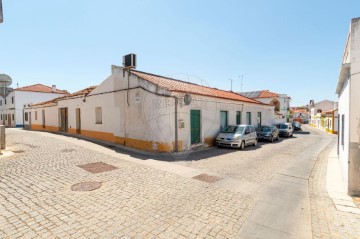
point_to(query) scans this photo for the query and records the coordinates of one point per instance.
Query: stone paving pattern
(134, 201)
(327, 221)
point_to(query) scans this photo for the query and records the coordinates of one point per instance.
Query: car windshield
(283, 126)
(233, 129)
(264, 129)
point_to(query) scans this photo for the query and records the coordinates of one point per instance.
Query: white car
(237, 136)
(285, 129)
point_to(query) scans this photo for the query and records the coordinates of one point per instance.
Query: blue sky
(292, 47)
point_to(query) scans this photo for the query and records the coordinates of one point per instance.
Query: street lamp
(1, 12)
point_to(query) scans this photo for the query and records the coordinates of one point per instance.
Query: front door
(78, 121)
(223, 120)
(195, 126)
(63, 119)
(29, 120)
(9, 119)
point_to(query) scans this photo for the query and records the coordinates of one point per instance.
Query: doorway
(195, 126)
(223, 120)
(9, 119)
(78, 121)
(64, 119)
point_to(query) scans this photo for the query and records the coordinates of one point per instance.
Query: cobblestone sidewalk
(327, 221)
(134, 201)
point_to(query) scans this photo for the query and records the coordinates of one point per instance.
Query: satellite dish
(5, 80)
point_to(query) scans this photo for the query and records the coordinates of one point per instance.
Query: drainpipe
(176, 124)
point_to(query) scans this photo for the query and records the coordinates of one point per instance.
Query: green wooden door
(195, 126)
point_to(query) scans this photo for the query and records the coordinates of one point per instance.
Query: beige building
(149, 112)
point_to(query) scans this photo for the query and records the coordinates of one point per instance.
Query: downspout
(176, 125)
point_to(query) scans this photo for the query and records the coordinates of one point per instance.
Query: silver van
(237, 136)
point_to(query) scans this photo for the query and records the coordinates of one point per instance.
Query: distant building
(12, 105)
(148, 112)
(280, 101)
(348, 90)
(319, 112)
(301, 114)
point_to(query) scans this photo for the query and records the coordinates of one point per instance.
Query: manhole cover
(18, 151)
(207, 178)
(67, 150)
(98, 167)
(86, 186)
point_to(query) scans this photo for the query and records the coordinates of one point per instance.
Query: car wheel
(291, 135)
(271, 139)
(242, 145)
(255, 142)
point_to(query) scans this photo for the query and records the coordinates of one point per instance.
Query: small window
(5, 101)
(12, 100)
(98, 115)
(5, 116)
(342, 129)
(238, 117)
(248, 118)
(35, 115)
(0, 102)
(259, 119)
(26, 117)
(1, 117)
(13, 117)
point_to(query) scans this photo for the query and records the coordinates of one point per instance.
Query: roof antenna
(17, 85)
(242, 78)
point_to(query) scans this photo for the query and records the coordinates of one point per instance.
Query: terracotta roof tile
(267, 94)
(83, 92)
(40, 88)
(186, 87)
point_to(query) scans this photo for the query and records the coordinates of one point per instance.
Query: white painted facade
(349, 110)
(12, 112)
(140, 114)
(284, 101)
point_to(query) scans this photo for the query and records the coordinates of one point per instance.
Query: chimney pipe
(53, 89)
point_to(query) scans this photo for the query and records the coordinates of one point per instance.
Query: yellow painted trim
(210, 141)
(72, 131)
(46, 128)
(109, 137)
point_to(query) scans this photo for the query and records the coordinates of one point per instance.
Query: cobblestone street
(137, 200)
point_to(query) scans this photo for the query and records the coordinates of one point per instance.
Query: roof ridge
(212, 88)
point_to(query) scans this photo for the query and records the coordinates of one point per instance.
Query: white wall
(141, 114)
(22, 98)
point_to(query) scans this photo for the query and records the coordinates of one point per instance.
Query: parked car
(296, 125)
(285, 129)
(269, 133)
(237, 136)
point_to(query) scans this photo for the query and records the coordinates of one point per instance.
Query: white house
(12, 105)
(280, 101)
(318, 110)
(148, 112)
(348, 89)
